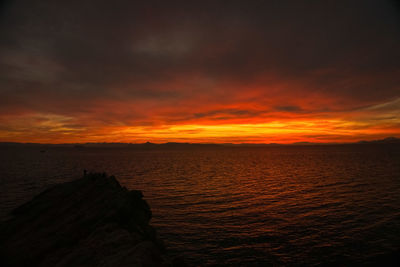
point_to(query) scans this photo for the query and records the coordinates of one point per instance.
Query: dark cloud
(289, 108)
(227, 112)
(73, 57)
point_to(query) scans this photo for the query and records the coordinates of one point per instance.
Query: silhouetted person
(84, 172)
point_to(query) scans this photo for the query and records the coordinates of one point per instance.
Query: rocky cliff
(92, 221)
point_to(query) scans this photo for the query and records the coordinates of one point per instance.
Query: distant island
(176, 145)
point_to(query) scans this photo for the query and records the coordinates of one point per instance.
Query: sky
(199, 71)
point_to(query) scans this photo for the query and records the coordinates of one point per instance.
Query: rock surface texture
(92, 221)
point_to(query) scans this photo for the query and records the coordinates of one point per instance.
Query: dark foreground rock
(92, 221)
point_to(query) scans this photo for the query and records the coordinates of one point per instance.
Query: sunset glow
(184, 75)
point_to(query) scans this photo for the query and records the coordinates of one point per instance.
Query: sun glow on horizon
(61, 129)
(191, 73)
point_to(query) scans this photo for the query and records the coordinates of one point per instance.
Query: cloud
(393, 105)
(175, 62)
(289, 108)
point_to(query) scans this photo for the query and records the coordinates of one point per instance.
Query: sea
(335, 205)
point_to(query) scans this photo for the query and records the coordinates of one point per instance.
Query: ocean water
(304, 205)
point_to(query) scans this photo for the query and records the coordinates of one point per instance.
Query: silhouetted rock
(92, 221)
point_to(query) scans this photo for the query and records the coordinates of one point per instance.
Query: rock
(92, 221)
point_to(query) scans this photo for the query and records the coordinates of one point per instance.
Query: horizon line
(387, 139)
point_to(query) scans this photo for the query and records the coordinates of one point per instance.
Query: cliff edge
(92, 221)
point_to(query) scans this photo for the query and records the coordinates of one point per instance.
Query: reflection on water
(248, 206)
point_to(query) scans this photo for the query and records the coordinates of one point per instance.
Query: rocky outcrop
(92, 221)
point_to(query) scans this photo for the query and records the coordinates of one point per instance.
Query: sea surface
(241, 206)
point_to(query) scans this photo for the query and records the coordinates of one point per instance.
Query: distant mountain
(304, 144)
(251, 145)
(388, 140)
(175, 145)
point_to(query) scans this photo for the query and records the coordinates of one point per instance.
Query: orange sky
(204, 72)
